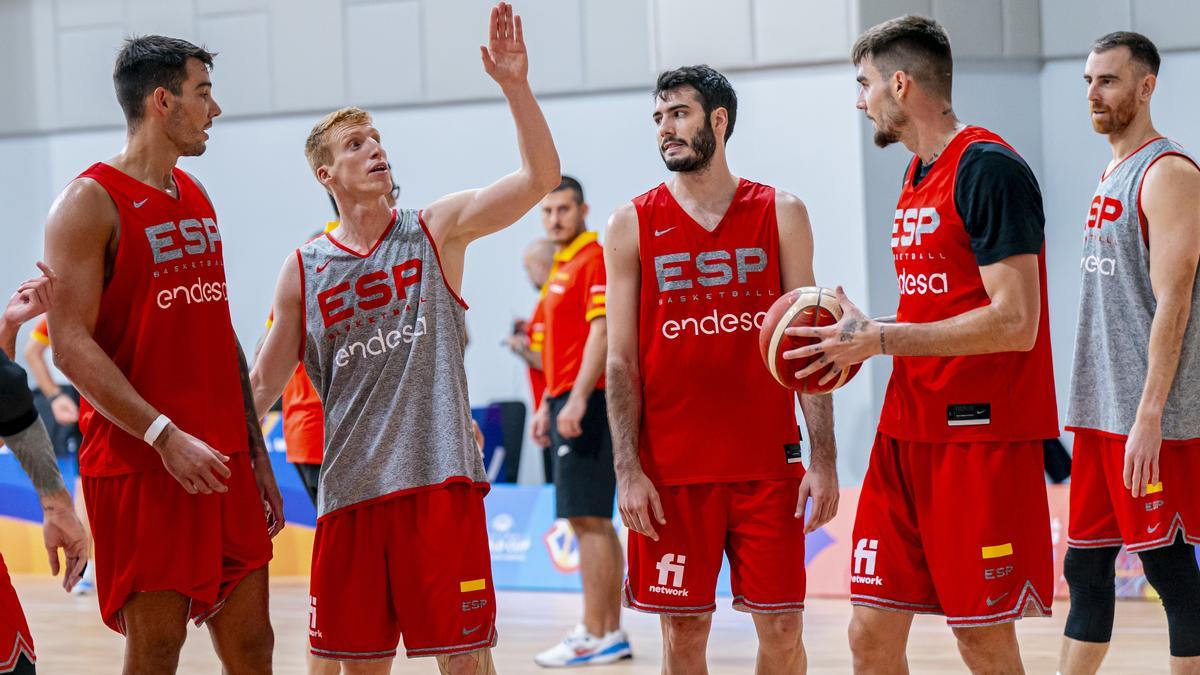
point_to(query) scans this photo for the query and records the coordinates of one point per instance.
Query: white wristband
(155, 429)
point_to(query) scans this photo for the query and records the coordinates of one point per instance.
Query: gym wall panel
(872, 12)
(383, 52)
(175, 18)
(230, 6)
(554, 38)
(17, 109)
(307, 70)
(242, 70)
(688, 33)
(799, 31)
(1069, 26)
(1022, 28)
(978, 25)
(1172, 24)
(85, 89)
(80, 13)
(453, 32)
(617, 51)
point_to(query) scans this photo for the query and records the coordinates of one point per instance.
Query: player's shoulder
(1174, 176)
(84, 200)
(985, 156)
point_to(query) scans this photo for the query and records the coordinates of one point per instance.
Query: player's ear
(160, 99)
(324, 176)
(899, 84)
(1146, 88)
(719, 119)
(583, 210)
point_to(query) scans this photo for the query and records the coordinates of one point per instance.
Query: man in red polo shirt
(573, 421)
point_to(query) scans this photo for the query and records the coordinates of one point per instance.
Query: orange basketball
(807, 306)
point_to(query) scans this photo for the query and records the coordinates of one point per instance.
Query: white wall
(796, 129)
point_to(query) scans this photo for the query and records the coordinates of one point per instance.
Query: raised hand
(504, 57)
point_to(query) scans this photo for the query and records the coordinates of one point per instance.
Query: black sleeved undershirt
(999, 200)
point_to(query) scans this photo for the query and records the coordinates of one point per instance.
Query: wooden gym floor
(71, 639)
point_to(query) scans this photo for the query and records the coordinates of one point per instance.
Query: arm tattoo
(258, 446)
(882, 342)
(36, 455)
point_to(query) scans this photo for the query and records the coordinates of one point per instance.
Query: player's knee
(987, 648)
(156, 650)
(871, 644)
(1173, 572)
(1090, 577)
(781, 632)
(686, 633)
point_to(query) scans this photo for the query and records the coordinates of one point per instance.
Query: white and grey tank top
(1116, 309)
(384, 347)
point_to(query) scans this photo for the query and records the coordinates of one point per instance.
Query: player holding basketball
(1136, 378)
(175, 469)
(25, 435)
(952, 517)
(372, 308)
(710, 467)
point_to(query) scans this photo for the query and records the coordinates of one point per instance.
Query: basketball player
(175, 469)
(64, 432)
(952, 518)
(573, 421)
(25, 435)
(373, 310)
(705, 441)
(1136, 378)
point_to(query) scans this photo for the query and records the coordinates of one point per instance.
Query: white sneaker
(87, 583)
(581, 648)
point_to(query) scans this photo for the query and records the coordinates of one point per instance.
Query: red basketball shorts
(15, 639)
(416, 564)
(151, 535)
(1104, 513)
(959, 529)
(753, 523)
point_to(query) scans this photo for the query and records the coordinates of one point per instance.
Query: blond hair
(316, 148)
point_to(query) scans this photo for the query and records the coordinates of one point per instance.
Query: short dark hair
(917, 45)
(714, 90)
(569, 183)
(1140, 47)
(151, 61)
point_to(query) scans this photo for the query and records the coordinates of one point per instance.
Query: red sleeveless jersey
(1006, 396)
(164, 321)
(710, 410)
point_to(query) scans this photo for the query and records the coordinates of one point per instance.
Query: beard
(1119, 117)
(703, 146)
(189, 142)
(888, 127)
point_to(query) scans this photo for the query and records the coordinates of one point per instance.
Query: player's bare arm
(280, 352)
(1008, 323)
(1171, 202)
(636, 495)
(460, 218)
(264, 476)
(81, 236)
(796, 265)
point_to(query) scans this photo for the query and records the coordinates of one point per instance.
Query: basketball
(807, 306)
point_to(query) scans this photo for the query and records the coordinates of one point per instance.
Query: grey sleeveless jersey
(384, 348)
(1116, 309)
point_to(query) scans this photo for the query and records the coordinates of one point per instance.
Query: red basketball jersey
(1006, 396)
(710, 410)
(164, 321)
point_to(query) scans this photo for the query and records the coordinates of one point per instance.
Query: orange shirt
(536, 330)
(572, 298)
(41, 332)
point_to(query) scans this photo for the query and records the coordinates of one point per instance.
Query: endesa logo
(370, 291)
(196, 293)
(921, 284)
(908, 225)
(713, 324)
(1104, 209)
(1105, 267)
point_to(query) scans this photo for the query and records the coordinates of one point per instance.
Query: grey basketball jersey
(384, 348)
(1116, 309)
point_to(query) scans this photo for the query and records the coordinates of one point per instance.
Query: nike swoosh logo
(991, 601)
(468, 631)
(138, 205)
(321, 268)
(659, 233)
(1152, 530)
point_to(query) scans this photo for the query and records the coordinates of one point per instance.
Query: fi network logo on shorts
(670, 575)
(864, 562)
(312, 617)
